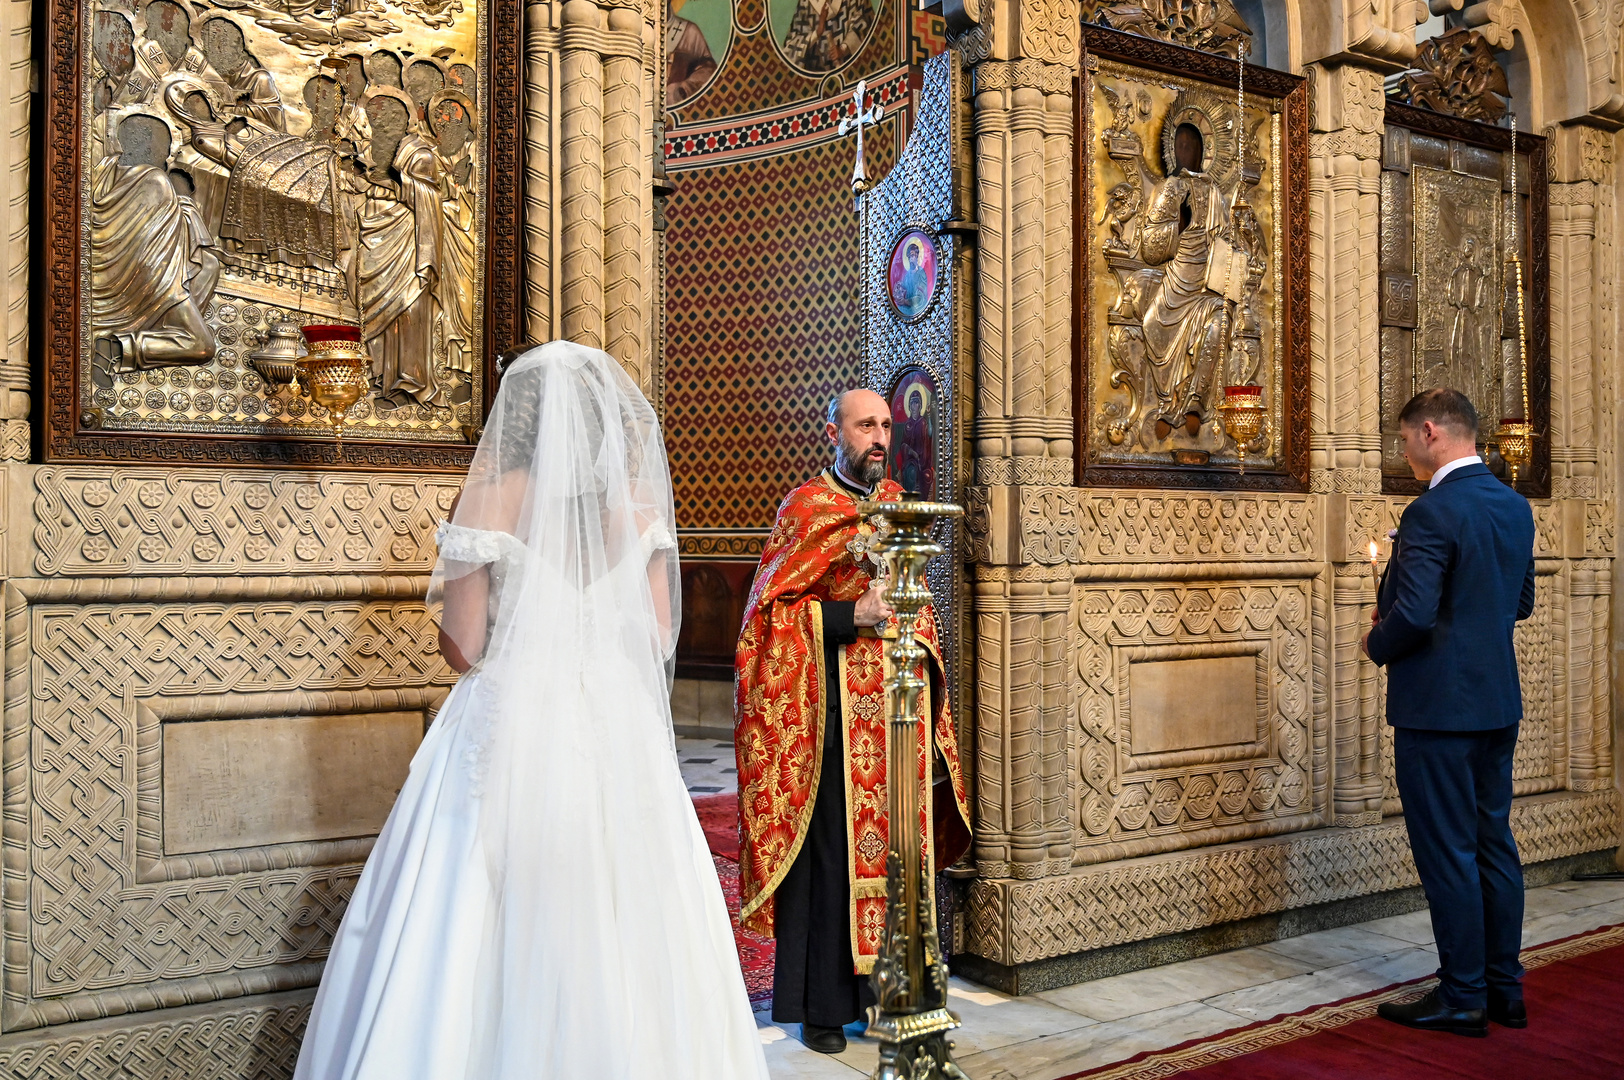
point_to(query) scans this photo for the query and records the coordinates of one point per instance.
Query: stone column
(1346, 109)
(1023, 424)
(1344, 155)
(592, 135)
(16, 24)
(1023, 57)
(540, 68)
(628, 180)
(1582, 279)
(582, 287)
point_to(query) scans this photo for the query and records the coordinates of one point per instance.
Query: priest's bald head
(858, 423)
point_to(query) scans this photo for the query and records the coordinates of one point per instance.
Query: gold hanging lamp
(334, 374)
(1516, 434)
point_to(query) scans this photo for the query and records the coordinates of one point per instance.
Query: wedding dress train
(541, 902)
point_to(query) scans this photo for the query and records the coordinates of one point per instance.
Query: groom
(809, 704)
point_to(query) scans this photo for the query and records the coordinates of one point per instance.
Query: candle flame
(1373, 551)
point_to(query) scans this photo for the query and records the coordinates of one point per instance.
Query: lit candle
(1375, 581)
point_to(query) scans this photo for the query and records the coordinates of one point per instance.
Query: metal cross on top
(858, 121)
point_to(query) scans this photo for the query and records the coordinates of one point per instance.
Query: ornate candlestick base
(910, 978)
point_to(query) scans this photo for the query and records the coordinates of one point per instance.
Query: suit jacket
(1460, 577)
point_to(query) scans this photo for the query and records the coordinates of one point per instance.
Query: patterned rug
(1575, 993)
(719, 817)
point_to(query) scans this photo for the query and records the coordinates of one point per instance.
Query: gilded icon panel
(243, 170)
(1449, 306)
(1458, 283)
(1187, 247)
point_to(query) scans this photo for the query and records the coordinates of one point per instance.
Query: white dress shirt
(1445, 470)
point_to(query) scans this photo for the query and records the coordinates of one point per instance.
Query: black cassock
(814, 976)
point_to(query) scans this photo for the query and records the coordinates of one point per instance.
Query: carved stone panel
(1158, 769)
(101, 915)
(95, 521)
(1191, 242)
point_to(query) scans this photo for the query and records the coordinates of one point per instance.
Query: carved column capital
(1579, 152)
(1380, 33)
(1047, 31)
(1345, 95)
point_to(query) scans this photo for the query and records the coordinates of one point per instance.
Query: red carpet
(1575, 1032)
(719, 817)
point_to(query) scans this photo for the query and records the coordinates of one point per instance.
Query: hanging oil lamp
(1243, 416)
(1516, 434)
(334, 374)
(276, 361)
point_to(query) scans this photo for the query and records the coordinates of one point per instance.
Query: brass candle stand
(910, 977)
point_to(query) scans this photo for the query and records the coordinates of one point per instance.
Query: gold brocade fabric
(813, 556)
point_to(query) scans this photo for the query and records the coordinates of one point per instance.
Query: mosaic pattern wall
(762, 241)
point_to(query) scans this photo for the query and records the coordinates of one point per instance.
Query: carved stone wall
(143, 601)
(1175, 725)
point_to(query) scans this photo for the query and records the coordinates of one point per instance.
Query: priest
(811, 742)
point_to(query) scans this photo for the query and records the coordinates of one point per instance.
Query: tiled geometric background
(761, 276)
(761, 326)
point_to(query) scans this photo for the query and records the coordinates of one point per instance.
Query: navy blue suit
(1460, 577)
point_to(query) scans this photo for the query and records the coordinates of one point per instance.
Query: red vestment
(779, 710)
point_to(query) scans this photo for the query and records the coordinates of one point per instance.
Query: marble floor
(708, 767)
(1060, 1032)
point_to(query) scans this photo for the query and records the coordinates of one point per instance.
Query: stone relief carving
(1273, 787)
(1177, 526)
(98, 521)
(101, 936)
(1208, 25)
(260, 1041)
(1071, 526)
(1541, 759)
(1014, 922)
(1456, 73)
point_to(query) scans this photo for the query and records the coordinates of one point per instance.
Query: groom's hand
(871, 607)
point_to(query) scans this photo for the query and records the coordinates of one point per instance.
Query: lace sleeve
(657, 538)
(473, 546)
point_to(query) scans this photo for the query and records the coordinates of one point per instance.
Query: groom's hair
(1444, 407)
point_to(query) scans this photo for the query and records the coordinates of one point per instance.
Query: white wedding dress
(541, 902)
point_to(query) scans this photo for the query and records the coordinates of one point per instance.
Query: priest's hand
(871, 607)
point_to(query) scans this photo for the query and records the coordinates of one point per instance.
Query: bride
(541, 902)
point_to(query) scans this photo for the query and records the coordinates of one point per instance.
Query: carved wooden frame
(64, 436)
(1536, 484)
(1292, 92)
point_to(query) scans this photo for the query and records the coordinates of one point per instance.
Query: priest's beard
(857, 465)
